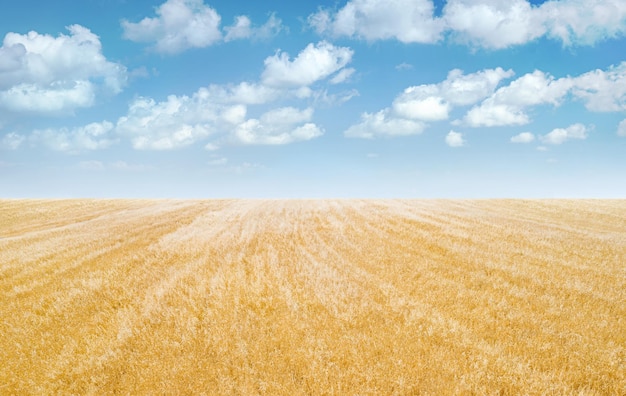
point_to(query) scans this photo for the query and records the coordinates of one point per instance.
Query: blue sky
(364, 98)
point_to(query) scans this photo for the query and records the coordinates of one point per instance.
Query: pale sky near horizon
(364, 98)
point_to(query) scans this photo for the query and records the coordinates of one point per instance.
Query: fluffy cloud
(55, 98)
(180, 121)
(561, 135)
(219, 113)
(524, 137)
(584, 22)
(179, 25)
(313, 63)
(55, 75)
(177, 122)
(455, 139)
(94, 136)
(184, 24)
(433, 102)
(383, 124)
(409, 21)
(502, 23)
(602, 90)
(621, 128)
(279, 126)
(507, 105)
(417, 105)
(242, 28)
(493, 24)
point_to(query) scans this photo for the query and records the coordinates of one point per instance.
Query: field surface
(301, 297)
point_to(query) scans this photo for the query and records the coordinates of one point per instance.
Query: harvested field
(313, 297)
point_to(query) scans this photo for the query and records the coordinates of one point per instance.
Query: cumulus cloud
(561, 135)
(621, 128)
(584, 22)
(313, 63)
(455, 139)
(507, 105)
(179, 25)
(499, 24)
(176, 122)
(55, 75)
(218, 114)
(417, 105)
(279, 126)
(602, 90)
(384, 124)
(433, 102)
(524, 137)
(243, 29)
(180, 121)
(408, 21)
(493, 24)
(94, 136)
(11, 141)
(183, 24)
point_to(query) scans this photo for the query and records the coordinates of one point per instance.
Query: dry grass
(313, 297)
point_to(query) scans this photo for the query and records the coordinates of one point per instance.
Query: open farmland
(313, 297)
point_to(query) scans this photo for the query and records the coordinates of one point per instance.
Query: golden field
(297, 297)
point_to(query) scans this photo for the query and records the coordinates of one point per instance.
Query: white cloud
(493, 24)
(621, 128)
(94, 136)
(602, 90)
(467, 89)
(242, 29)
(433, 102)
(174, 123)
(524, 137)
(409, 21)
(242, 93)
(584, 22)
(179, 25)
(489, 114)
(313, 63)
(219, 112)
(279, 126)
(455, 139)
(561, 135)
(430, 108)
(55, 75)
(216, 112)
(382, 124)
(55, 98)
(507, 105)
(11, 141)
(419, 104)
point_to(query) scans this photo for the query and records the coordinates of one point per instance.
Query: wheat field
(297, 297)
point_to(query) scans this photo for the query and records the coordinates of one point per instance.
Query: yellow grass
(313, 297)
